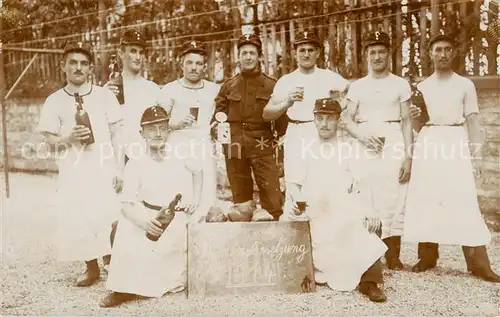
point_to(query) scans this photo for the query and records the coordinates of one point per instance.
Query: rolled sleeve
(49, 117)
(470, 100)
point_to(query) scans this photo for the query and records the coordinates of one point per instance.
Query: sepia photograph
(250, 158)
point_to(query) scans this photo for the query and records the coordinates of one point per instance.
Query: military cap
(377, 37)
(133, 37)
(441, 36)
(327, 105)
(78, 46)
(193, 47)
(249, 39)
(154, 114)
(306, 38)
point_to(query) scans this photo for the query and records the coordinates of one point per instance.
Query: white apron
(381, 172)
(86, 206)
(138, 265)
(342, 247)
(296, 141)
(442, 205)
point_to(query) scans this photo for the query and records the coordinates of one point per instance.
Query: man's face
(442, 55)
(155, 134)
(307, 55)
(132, 57)
(193, 66)
(326, 124)
(77, 68)
(378, 57)
(249, 57)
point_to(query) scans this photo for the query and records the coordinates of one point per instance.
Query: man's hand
(186, 122)
(373, 143)
(189, 208)
(154, 228)
(405, 171)
(373, 224)
(79, 133)
(293, 96)
(415, 112)
(113, 88)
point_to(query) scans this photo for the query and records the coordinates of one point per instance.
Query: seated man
(324, 191)
(139, 265)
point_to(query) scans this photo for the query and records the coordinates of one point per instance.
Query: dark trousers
(373, 274)
(239, 173)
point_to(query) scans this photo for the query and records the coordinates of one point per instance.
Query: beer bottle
(116, 79)
(417, 99)
(166, 215)
(82, 118)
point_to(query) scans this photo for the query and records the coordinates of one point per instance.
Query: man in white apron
(190, 102)
(138, 94)
(86, 201)
(442, 205)
(141, 266)
(295, 93)
(346, 254)
(378, 118)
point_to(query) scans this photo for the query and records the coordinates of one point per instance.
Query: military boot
(478, 263)
(393, 252)
(91, 274)
(428, 254)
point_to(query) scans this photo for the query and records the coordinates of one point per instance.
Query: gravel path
(34, 284)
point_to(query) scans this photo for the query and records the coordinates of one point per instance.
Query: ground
(33, 283)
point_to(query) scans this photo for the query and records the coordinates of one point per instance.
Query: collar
(182, 81)
(253, 74)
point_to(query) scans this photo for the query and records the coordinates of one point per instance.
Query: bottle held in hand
(166, 215)
(82, 118)
(417, 99)
(116, 79)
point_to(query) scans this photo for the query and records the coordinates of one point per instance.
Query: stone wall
(22, 118)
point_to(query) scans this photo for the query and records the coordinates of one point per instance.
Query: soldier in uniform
(346, 254)
(141, 266)
(377, 117)
(294, 96)
(442, 205)
(242, 99)
(190, 136)
(86, 201)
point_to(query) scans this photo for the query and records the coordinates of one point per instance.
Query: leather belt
(444, 125)
(150, 206)
(299, 121)
(387, 121)
(252, 125)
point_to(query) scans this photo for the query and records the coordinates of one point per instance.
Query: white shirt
(449, 101)
(317, 85)
(379, 99)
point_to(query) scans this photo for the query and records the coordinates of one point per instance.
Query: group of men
(360, 199)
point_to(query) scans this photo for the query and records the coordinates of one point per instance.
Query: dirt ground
(33, 283)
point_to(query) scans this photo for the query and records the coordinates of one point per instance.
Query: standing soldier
(86, 203)
(378, 118)
(137, 93)
(336, 203)
(295, 94)
(242, 100)
(190, 102)
(442, 205)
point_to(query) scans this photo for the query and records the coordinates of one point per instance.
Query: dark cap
(249, 39)
(154, 114)
(441, 36)
(306, 37)
(378, 38)
(78, 46)
(193, 47)
(133, 37)
(327, 105)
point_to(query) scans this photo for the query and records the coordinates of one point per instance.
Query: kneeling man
(344, 226)
(139, 265)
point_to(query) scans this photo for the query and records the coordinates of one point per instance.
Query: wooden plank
(249, 257)
(274, 58)
(424, 55)
(284, 50)
(332, 44)
(354, 36)
(476, 49)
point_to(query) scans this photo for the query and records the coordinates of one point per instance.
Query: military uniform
(243, 98)
(442, 205)
(345, 254)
